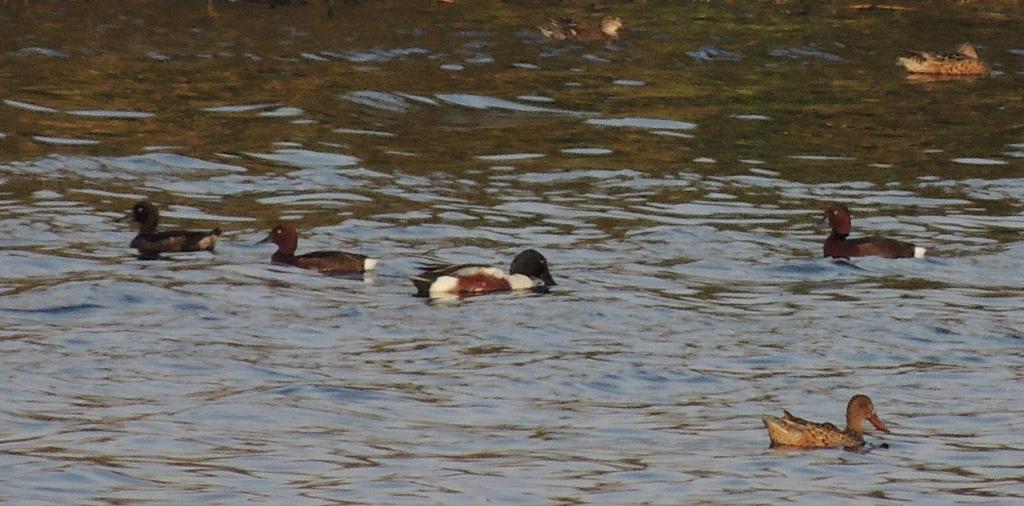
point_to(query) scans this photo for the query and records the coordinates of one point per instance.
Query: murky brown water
(672, 179)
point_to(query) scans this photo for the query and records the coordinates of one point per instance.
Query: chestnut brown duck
(838, 244)
(963, 62)
(151, 243)
(286, 237)
(799, 433)
(567, 29)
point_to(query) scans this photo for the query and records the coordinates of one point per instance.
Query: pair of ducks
(962, 62)
(529, 269)
(567, 29)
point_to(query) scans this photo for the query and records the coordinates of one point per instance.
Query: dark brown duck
(838, 245)
(149, 242)
(286, 237)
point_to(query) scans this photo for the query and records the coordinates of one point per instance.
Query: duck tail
(422, 285)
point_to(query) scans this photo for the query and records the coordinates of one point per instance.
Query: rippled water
(672, 179)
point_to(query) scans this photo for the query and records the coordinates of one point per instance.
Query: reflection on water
(673, 180)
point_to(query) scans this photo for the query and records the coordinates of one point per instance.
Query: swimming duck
(150, 243)
(567, 29)
(286, 237)
(964, 62)
(797, 432)
(838, 246)
(529, 270)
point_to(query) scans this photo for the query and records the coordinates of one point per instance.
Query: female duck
(964, 62)
(286, 237)
(529, 270)
(838, 246)
(797, 432)
(567, 29)
(150, 243)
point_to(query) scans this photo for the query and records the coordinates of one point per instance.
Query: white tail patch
(919, 252)
(370, 264)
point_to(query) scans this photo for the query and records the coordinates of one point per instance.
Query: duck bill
(547, 279)
(821, 223)
(877, 422)
(265, 239)
(130, 220)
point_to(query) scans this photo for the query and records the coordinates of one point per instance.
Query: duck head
(838, 217)
(860, 408)
(967, 50)
(285, 236)
(611, 25)
(144, 216)
(531, 263)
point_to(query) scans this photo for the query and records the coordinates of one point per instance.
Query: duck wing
(883, 247)
(431, 272)
(174, 241)
(560, 28)
(797, 432)
(332, 261)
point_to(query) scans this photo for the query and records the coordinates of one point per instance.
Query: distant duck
(799, 433)
(529, 270)
(964, 62)
(837, 245)
(567, 29)
(151, 243)
(286, 237)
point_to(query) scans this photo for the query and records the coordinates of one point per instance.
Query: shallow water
(672, 180)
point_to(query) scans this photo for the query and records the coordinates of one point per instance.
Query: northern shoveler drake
(151, 243)
(529, 270)
(838, 246)
(567, 29)
(797, 432)
(963, 62)
(286, 237)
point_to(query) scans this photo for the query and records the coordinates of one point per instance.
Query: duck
(838, 246)
(286, 237)
(567, 29)
(799, 433)
(963, 62)
(529, 270)
(150, 243)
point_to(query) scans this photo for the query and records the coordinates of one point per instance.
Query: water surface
(673, 180)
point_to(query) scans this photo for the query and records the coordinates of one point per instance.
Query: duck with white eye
(529, 270)
(286, 237)
(839, 245)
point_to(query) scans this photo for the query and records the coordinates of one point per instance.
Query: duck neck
(853, 425)
(147, 227)
(283, 255)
